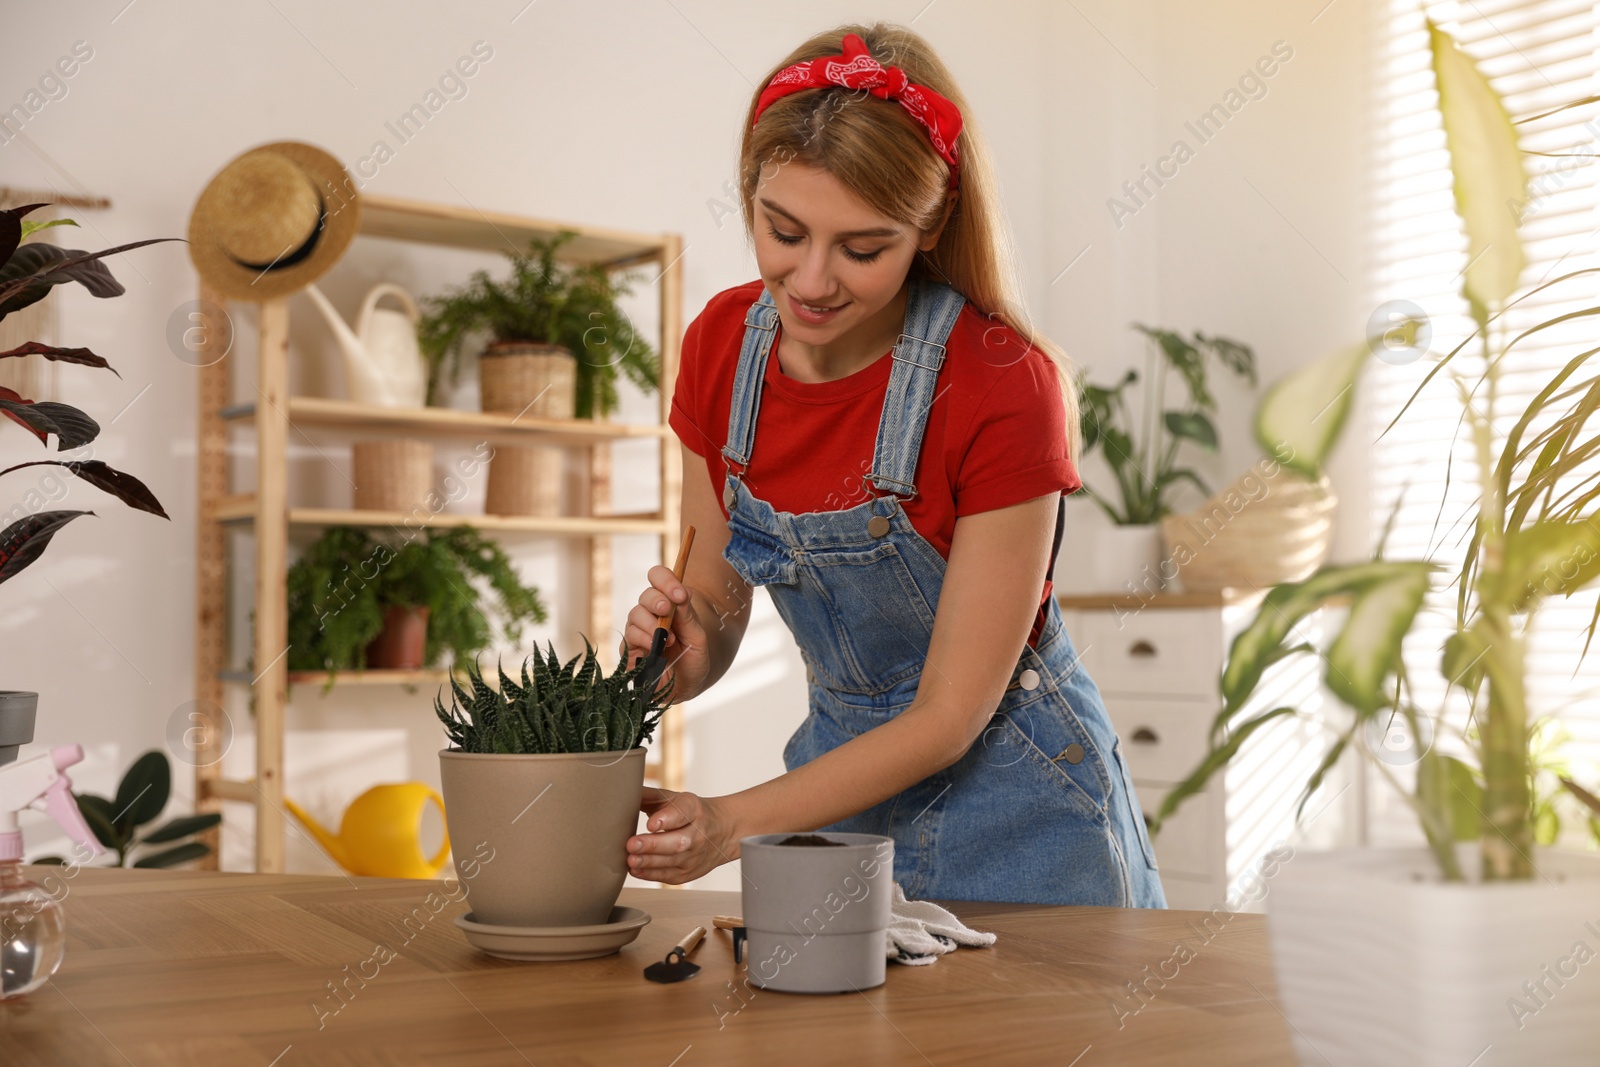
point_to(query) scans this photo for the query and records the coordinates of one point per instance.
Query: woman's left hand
(690, 836)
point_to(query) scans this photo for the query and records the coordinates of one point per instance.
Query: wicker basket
(524, 480)
(515, 377)
(392, 475)
(1258, 531)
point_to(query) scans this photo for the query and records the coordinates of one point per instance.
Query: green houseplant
(346, 582)
(1143, 453)
(548, 772)
(1424, 956)
(550, 302)
(141, 796)
(28, 272)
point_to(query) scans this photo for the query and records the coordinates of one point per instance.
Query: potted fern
(1143, 452)
(557, 343)
(1465, 950)
(357, 601)
(548, 772)
(561, 313)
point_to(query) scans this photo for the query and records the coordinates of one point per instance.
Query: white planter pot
(1110, 559)
(1380, 963)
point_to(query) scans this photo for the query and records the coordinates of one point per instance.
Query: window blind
(1538, 54)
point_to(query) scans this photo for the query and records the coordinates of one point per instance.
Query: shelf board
(352, 677)
(569, 525)
(494, 231)
(1205, 598)
(241, 512)
(450, 422)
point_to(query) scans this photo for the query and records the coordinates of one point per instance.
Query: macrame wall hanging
(34, 377)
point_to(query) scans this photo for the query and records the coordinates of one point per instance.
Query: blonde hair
(878, 150)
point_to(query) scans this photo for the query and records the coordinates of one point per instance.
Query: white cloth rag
(920, 931)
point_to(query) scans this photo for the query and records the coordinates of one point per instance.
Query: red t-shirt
(995, 434)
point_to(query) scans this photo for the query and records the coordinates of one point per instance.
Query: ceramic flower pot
(817, 917)
(545, 835)
(401, 643)
(1096, 557)
(1381, 963)
(16, 722)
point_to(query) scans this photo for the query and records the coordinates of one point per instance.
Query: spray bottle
(33, 929)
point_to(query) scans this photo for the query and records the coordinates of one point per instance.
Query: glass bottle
(33, 933)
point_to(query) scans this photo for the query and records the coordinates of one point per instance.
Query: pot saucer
(555, 942)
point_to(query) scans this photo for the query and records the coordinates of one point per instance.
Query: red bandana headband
(856, 69)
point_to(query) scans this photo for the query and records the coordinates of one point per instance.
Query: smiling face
(819, 246)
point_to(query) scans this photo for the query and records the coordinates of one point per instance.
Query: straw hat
(273, 221)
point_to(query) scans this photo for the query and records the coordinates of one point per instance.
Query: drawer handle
(1144, 736)
(1141, 647)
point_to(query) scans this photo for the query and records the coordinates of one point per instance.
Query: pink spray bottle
(33, 930)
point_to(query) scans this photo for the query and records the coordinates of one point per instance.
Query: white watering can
(382, 362)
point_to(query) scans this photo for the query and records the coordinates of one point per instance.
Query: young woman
(872, 432)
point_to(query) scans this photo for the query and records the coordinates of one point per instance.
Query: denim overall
(1040, 809)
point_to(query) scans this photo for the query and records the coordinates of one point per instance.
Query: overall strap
(760, 327)
(931, 310)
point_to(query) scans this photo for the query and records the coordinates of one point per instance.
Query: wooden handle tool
(653, 663)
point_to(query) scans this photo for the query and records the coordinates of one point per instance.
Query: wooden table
(217, 969)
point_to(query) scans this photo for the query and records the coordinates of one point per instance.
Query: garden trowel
(676, 967)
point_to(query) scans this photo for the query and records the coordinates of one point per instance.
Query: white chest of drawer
(1157, 662)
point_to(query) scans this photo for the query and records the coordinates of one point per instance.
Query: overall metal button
(1028, 679)
(877, 526)
(727, 496)
(1073, 753)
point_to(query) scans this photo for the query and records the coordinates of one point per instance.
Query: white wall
(622, 114)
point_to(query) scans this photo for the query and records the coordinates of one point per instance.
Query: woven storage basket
(524, 481)
(512, 375)
(392, 475)
(1249, 538)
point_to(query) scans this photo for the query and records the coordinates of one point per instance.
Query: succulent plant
(569, 707)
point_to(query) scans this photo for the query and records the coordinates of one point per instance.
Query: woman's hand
(690, 836)
(686, 659)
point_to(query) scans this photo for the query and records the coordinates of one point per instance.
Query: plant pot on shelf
(401, 644)
(1112, 559)
(558, 862)
(392, 475)
(540, 380)
(1256, 532)
(1379, 962)
(518, 377)
(524, 480)
(17, 710)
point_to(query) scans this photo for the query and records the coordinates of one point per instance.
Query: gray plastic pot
(16, 722)
(541, 840)
(816, 917)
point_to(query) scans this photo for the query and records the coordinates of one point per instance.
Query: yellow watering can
(380, 834)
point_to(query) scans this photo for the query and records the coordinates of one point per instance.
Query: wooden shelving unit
(268, 513)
